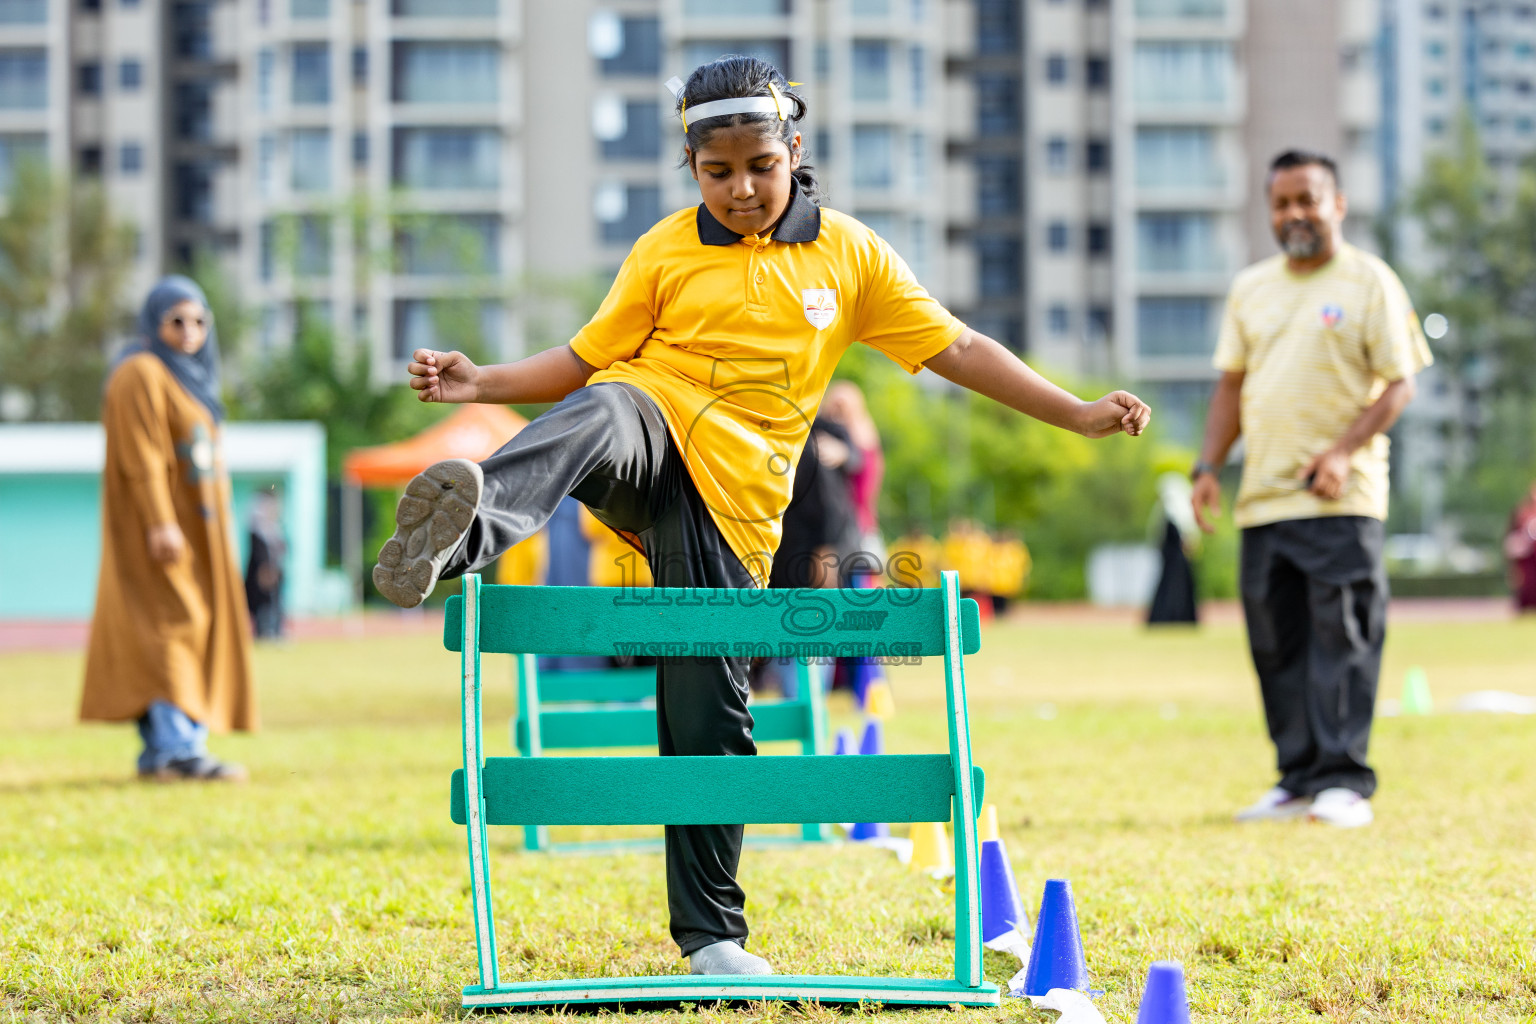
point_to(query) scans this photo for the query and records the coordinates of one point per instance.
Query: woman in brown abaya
(170, 640)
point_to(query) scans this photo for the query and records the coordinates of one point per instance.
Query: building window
(1057, 236)
(23, 79)
(1178, 158)
(130, 158)
(1435, 48)
(266, 73)
(309, 159)
(823, 148)
(448, 158)
(1177, 243)
(918, 72)
(130, 75)
(1058, 155)
(443, 245)
(823, 61)
(443, 8)
(312, 248)
(1096, 72)
(16, 150)
(999, 189)
(1435, 126)
(1181, 8)
(359, 65)
(871, 71)
(90, 160)
(192, 109)
(266, 161)
(625, 212)
(999, 267)
(1101, 322)
(90, 78)
(266, 254)
(1434, 86)
(446, 323)
(311, 74)
(1434, 12)
(1525, 125)
(1059, 320)
(874, 156)
(871, 8)
(1098, 240)
(999, 26)
(997, 104)
(359, 149)
(1056, 69)
(1175, 326)
(304, 10)
(918, 144)
(457, 72)
(702, 51)
(639, 50)
(640, 138)
(23, 12)
(1096, 156)
(1198, 73)
(737, 8)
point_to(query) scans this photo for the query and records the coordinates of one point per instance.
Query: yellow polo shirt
(735, 338)
(1315, 350)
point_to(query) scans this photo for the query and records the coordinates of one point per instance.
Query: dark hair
(1303, 158)
(734, 76)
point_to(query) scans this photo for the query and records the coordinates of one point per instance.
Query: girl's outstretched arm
(546, 376)
(977, 362)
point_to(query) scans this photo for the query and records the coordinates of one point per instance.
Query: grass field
(333, 887)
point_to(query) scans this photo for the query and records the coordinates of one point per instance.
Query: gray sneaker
(726, 957)
(431, 519)
(1276, 805)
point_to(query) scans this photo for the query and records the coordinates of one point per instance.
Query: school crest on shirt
(1332, 316)
(820, 306)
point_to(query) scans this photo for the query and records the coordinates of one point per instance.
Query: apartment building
(82, 86)
(1445, 58)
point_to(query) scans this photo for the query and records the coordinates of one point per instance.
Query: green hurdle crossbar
(575, 710)
(714, 790)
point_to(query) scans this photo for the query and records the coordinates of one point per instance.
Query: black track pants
(1315, 597)
(607, 445)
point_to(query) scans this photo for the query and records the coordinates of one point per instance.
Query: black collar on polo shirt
(801, 222)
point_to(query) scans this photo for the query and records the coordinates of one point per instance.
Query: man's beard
(1301, 240)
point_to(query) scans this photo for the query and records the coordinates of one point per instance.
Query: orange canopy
(472, 432)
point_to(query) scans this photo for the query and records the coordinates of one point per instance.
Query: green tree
(63, 263)
(1480, 235)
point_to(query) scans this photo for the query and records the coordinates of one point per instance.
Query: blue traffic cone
(872, 742)
(1164, 1001)
(844, 742)
(1056, 957)
(1001, 908)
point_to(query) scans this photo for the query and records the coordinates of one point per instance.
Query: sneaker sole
(431, 519)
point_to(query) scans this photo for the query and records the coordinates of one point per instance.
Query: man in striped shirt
(1318, 351)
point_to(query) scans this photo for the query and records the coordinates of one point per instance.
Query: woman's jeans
(169, 735)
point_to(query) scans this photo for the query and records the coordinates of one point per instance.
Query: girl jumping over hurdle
(682, 409)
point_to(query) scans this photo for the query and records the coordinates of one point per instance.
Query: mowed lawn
(333, 887)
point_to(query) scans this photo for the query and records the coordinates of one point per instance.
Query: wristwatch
(1201, 467)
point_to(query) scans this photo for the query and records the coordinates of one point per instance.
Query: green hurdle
(575, 710)
(534, 791)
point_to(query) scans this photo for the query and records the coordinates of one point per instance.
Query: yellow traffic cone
(986, 823)
(878, 701)
(931, 851)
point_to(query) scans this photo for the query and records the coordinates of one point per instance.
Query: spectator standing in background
(1318, 351)
(845, 406)
(170, 643)
(264, 566)
(1520, 549)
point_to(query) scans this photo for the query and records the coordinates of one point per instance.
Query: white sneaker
(1341, 807)
(726, 957)
(1276, 805)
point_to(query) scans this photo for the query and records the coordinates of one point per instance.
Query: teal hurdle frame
(710, 790)
(583, 717)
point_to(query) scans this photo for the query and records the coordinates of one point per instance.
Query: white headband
(773, 104)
